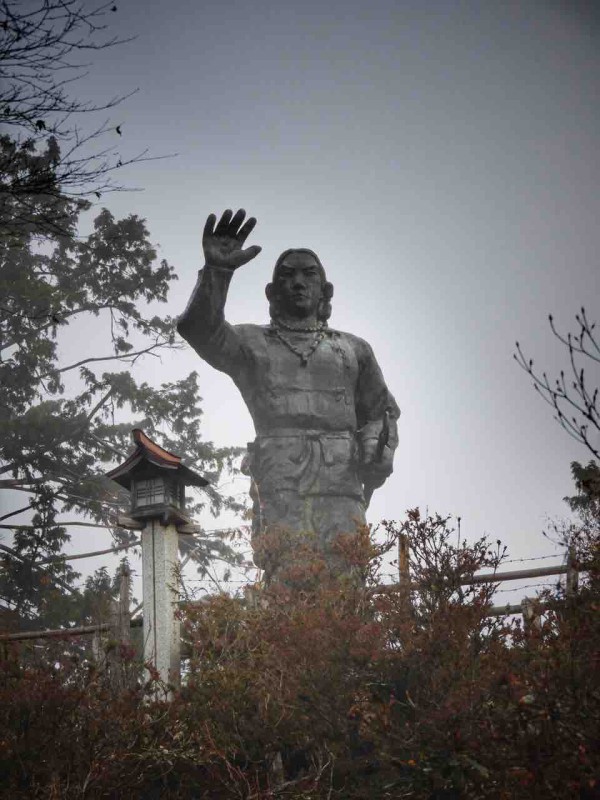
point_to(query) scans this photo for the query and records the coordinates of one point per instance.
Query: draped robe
(310, 418)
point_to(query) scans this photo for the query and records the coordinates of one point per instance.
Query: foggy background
(442, 160)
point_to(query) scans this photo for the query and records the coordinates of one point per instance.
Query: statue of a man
(325, 420)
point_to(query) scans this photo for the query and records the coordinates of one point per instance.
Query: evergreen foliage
(62, 422)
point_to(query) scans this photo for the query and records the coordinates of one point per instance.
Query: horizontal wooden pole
(515, 575)
(492, 577)
(54, 634)
(57, 524)
(500, 611)
(518, 608)
(54, 559)
(84, 630)
(88, 555)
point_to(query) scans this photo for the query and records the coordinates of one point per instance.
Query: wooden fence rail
(491, 577)
(517, 574)
(84, 630)
(121, 620)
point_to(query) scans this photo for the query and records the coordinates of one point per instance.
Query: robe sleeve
(373, 400)
(203, 323)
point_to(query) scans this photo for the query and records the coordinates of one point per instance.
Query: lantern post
(156, 480)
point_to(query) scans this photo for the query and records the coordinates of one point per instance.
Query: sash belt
(299, 433)
(312, 454)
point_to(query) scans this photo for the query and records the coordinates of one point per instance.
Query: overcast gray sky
(440, 157)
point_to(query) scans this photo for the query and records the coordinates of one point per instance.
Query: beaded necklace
(303, 355)
(279, 323)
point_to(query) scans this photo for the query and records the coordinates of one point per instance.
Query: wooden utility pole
(120, 632)
(572, 572)
(404, 570)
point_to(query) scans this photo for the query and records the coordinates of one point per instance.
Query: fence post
(531, 617)
(120, 631)
(404, 570)
(572, 572)
(97, 652)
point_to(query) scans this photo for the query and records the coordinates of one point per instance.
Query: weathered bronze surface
(325, 420)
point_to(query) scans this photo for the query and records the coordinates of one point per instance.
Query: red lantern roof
(148, 454)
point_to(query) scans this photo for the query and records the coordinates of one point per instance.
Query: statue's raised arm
(222, 244)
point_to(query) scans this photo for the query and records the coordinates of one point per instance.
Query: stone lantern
(156, 480)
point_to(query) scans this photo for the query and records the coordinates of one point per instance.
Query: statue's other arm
(203, 322)
(376, 410)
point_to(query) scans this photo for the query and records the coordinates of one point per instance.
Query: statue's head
(299, 287)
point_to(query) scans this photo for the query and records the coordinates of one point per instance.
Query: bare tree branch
(128, 358)
(575, 405)
(41, 49)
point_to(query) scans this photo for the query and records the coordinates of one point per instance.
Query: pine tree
(62, 424)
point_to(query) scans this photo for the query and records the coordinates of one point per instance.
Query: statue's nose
(299, 280)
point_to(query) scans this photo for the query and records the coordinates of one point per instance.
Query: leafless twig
(574, 403)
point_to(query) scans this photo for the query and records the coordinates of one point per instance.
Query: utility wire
(532, 558)
(529, 586)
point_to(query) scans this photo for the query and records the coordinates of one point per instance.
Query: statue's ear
(324, 310)
(271, 293)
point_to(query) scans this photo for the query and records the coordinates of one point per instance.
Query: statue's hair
(324, 307)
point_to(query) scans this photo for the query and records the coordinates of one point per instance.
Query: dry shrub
(319, 685)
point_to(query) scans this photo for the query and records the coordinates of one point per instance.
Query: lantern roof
(149, 456)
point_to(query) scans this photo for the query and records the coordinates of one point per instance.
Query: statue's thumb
(251, 252)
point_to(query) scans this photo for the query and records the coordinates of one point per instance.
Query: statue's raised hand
(223, 244)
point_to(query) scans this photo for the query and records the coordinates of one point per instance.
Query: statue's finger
(249, 253)
(223, 223)
(246, 229)
(209, 227)
(237, 220)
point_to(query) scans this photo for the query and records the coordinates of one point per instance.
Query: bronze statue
(325, 420)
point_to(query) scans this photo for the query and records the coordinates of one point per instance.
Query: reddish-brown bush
(321, 686)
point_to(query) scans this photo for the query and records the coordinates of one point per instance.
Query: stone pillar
(162, 647)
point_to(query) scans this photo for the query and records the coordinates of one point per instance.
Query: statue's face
(299, 284)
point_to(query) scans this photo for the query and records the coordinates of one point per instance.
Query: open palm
(223, 244)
